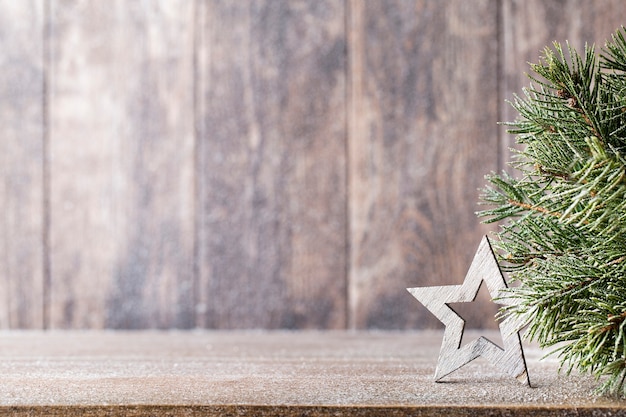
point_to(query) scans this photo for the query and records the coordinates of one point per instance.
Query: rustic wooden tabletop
(271, 373)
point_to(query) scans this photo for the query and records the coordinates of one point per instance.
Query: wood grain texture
(530, 26)
(257, 164)
(148, 373)
(454, 354)
(272, 244)
(21, 164)
(423, 113)
(121, 167)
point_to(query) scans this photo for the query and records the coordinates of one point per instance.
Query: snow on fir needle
(561, 210)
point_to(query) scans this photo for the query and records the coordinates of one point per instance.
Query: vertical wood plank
(121, 164)
(272, 176)
(423, 114)
(21, 156)
(529, 26)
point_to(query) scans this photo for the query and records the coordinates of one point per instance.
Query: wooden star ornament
(452, 356)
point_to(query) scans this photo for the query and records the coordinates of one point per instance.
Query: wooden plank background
(121, 172)
(417, 155)
(22, 130)
(258, 164)
(272, 177)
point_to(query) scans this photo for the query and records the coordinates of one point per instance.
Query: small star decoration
(452, 355)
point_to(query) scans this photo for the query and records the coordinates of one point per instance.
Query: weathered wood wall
(254, 164)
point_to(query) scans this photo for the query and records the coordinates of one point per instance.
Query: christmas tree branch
(563, 222)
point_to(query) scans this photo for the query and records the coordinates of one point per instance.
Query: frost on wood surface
(271, 368)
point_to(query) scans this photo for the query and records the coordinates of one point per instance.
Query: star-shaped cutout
(452, 355)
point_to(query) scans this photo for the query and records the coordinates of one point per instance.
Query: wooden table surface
(271, 373)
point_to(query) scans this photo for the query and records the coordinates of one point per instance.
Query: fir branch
(563, 220)
(539, 209)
